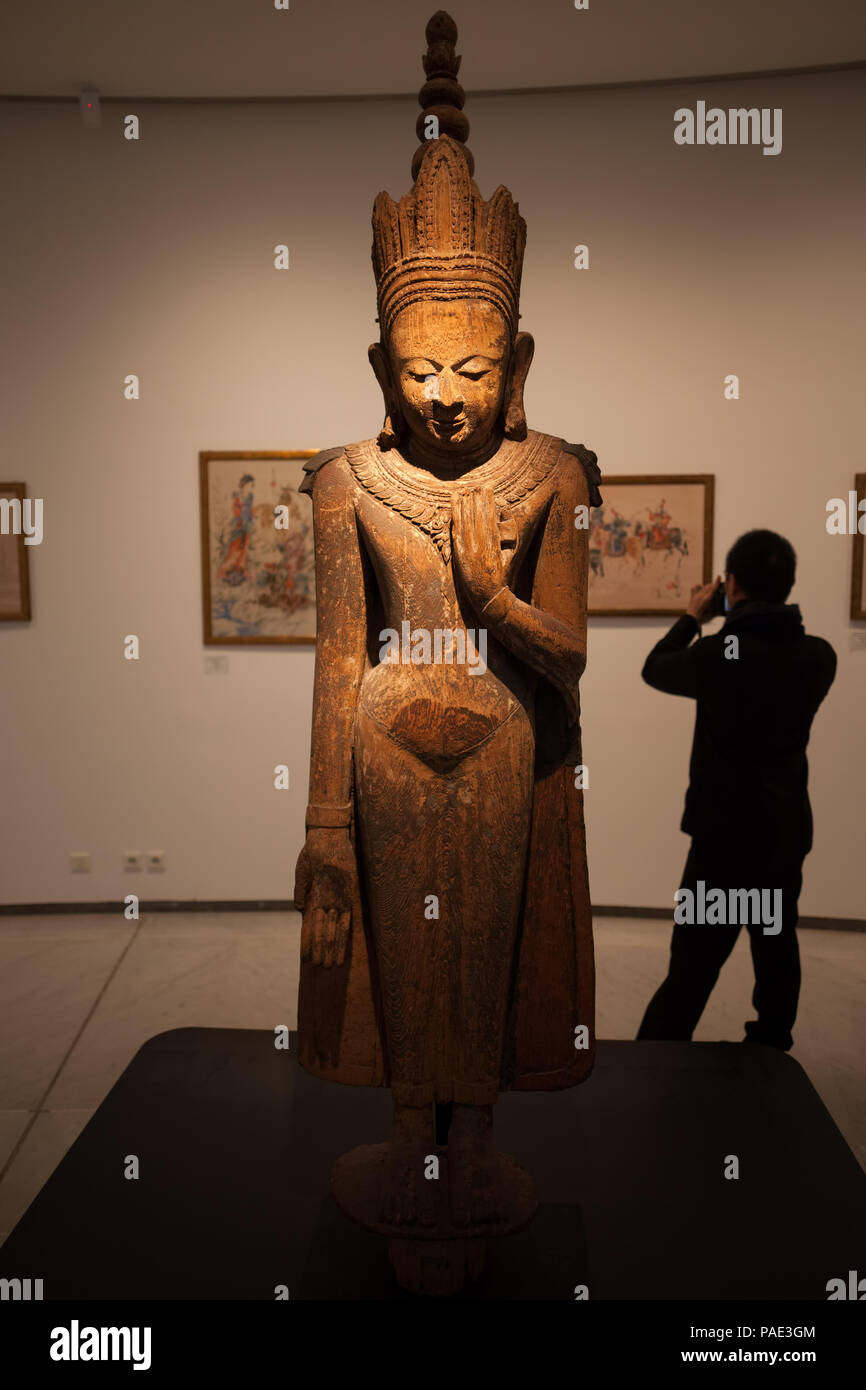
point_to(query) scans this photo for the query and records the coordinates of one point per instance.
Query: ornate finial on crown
(443, 241)
(441, 96)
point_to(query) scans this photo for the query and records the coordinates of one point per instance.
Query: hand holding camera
(707, 601)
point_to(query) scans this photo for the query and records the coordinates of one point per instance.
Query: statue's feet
(408, 1197)
(474, 1171)
(384, 1187)
(474, 1188)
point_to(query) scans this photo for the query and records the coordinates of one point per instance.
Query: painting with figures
(650, 542)
(258, 575)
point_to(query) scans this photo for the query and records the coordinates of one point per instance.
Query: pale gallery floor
(80, 994)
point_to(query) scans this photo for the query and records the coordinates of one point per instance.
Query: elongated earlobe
(394, 427)
(521, 360)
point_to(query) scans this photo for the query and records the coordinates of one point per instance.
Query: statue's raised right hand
(326, 883)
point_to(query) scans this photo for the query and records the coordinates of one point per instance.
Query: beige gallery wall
(155, 257)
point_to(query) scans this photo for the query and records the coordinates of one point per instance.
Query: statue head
(451, 362)
(452, 376)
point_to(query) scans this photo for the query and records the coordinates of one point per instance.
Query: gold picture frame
(258, 579)
(650, 541)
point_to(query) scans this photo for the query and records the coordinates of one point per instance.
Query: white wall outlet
(80, 861)
(133, 861)
(156, 861)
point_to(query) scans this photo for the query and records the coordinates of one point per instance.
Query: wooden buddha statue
(447, 938)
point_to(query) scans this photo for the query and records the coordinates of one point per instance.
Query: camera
(717, 602)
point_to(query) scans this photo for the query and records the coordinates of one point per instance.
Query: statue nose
(449, 394)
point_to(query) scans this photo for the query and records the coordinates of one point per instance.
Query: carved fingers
(325, 936)
(307, 934)
(477, 549)
(327, 906)
(302, 879)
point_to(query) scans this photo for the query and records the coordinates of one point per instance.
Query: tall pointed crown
(442, 240)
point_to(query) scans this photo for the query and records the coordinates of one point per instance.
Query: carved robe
(341, 1029)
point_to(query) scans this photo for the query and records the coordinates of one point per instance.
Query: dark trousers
(699, 951)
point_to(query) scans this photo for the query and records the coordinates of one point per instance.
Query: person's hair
(764, 565)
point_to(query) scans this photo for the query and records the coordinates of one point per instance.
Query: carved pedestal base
(439, 1256)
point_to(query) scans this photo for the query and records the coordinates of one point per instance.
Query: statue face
(449, 363)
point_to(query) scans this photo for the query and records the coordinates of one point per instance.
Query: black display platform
(236, 1145)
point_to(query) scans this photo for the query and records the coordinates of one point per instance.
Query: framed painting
(14, 560)
(858, 572)
(258, 575)
(650, 542)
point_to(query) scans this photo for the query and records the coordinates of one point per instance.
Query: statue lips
(449, 426)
